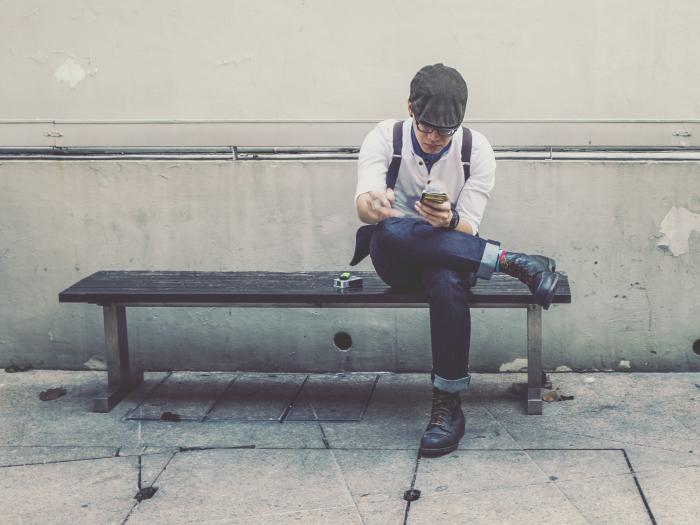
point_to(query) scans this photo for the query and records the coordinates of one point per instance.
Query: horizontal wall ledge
(326, 133)
(235, 153)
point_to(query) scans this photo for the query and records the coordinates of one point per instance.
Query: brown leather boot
(446, 426)
(536, 271)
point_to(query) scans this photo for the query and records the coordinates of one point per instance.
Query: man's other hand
(375, 206)
(438, 215)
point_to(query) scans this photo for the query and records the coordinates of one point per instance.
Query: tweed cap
(439, 96)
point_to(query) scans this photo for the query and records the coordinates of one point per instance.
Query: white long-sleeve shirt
(469, 198)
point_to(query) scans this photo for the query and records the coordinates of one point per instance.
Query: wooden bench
(115, 290)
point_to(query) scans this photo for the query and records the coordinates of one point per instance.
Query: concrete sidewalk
(292, 448)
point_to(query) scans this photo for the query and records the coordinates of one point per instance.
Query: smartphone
(433, 197)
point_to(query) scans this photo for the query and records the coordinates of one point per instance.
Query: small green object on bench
(116, 290)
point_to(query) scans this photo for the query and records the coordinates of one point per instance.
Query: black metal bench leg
(121, 378)
(534, 359)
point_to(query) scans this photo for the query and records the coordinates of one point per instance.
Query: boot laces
(442, 409)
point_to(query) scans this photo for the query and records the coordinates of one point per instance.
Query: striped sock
(501, 257)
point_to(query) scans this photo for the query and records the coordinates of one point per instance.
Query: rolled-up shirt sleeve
(374, 159)
(475, 194)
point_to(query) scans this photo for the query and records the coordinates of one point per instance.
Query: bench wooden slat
(106, 287)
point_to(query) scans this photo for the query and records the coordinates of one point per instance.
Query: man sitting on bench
(423, 185)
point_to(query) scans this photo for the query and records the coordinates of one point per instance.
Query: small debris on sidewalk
(520, 389)
(589, 379)
(170, 416)
(145, 493)
(52, 393)
(17, 368)
(556, 395)
(411, 495)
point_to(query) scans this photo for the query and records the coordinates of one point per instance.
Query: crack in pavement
(566, 496)
(337, 465)
(136, 504)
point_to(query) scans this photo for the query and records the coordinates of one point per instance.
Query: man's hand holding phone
(435, 208)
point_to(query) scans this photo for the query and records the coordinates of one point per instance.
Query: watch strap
(455, 220)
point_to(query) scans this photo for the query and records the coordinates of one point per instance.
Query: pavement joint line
(58, 446)
(639, 488)
(127, 416)
(413, 484)
(323, 420)
(221, 421)
(205, 417)
(241, 420)
(200, 449)
(288, 408)
(53, 462)
(268, 420)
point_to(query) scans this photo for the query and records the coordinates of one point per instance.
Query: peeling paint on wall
(232, 61)
(39, 57)
(675, 230)
(70, 72)
(56, 340)
(516, 365)
(95, 363)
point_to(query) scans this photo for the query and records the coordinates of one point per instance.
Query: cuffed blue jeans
(410, 254)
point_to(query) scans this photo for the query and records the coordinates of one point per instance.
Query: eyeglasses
(443, 132)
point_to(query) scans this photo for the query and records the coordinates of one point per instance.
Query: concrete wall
(61, 221)
(321, 59)
(99, 73)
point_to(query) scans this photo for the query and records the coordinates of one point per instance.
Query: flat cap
(439, 96)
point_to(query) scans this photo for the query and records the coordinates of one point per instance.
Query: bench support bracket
(534, 359)
(121, 377)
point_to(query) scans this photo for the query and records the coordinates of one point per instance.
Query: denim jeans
(409, 254)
